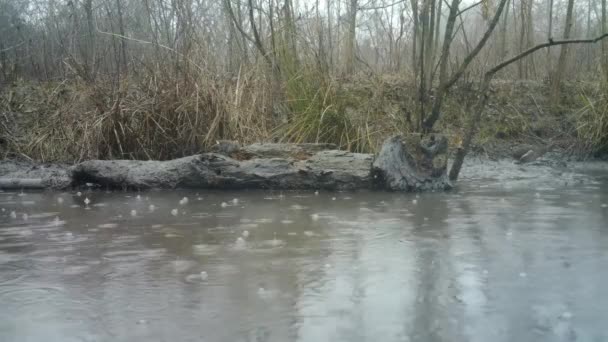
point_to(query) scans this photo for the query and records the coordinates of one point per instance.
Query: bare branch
(381, 7)
(12, 47)
(475, 117)
(533, 49)
(470, 7)
(468, 59)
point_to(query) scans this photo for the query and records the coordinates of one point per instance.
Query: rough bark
(412, 164)
(331, 170)
(351, 38)
(403, 165)
(20, 175)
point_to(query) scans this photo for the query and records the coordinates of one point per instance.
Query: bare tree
(349, 51)
(561, 64)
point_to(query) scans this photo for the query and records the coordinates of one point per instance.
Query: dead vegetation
(163, 119)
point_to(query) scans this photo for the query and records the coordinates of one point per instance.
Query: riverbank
(324, 170)
(60, 136)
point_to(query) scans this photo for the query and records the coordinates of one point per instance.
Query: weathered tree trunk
(290, 32)
(404, 164)
(415, 31)
(22, 183)
(563, 55)
(351, 38)
(503, 34)
(123, 42)
(412, 163)
(604, 57)
(526, 66)
(429, 63)
(549, 37)
(330, 44)
(89, 54)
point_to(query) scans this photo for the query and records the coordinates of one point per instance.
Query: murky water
(485, 263)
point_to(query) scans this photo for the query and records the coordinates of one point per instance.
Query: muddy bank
(403, 164)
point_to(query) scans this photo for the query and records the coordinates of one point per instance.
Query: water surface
(484, 263)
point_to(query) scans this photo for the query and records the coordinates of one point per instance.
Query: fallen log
(22, 183)
(27, 175)
(403, 164)
(331, 170)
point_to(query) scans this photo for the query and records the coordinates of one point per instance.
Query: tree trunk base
(412, 164)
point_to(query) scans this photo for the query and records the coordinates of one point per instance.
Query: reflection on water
(480, 264)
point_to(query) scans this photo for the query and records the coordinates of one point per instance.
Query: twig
(147, 42)
(12, 47)
(533, 49)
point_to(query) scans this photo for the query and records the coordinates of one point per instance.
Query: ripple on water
(225, 215)
(205, 249)
(29, 295)
(6, 279)
(74, 270)
(269, 244)
(181, 266)
(15, 244)
(135, 255)
(107, 225)
(13, 231)
(248, 226)
(196, 278)
(6, 258)
(201, 215)
(66, 237)
(43, 215)
(298, 207)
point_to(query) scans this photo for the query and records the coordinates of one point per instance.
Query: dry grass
(592, 123)
(148, 117)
